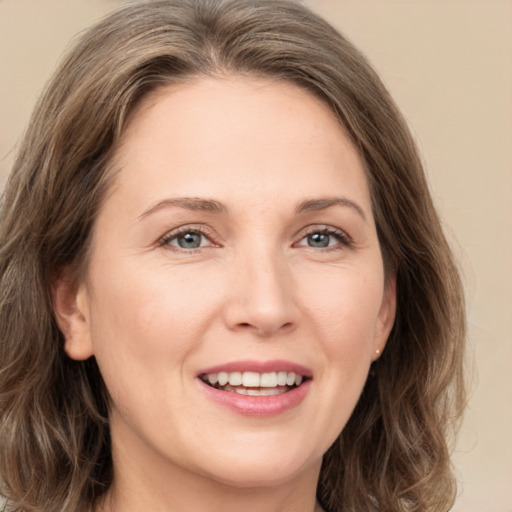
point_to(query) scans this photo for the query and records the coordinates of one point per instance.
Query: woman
(223, 281)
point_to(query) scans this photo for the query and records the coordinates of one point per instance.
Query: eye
(190, 240)
(187, 239)
(324, 238)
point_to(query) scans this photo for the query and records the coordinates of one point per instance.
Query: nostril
(266, 330)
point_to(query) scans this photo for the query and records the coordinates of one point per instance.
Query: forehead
(236, 134)
(226, 100)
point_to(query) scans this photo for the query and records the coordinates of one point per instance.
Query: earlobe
(386, 317)
(70, 306)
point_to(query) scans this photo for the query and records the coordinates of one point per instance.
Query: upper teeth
(254, 379)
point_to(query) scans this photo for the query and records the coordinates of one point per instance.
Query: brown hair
(54, 435)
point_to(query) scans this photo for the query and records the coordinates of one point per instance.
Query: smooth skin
(239, 226)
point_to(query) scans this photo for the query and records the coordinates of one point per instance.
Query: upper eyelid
(210, 233)
(326, 228)
(344, 241)
(186, 228)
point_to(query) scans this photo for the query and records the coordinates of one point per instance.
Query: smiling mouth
(254, 383)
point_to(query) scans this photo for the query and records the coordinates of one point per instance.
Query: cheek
(144, 330)
(345, 311)
(145, 327)
(344, 318)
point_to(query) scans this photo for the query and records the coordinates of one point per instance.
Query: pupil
(190, 241)
(318, 240)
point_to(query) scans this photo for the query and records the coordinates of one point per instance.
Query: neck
(228, 500)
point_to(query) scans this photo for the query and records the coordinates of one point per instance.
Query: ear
(71, 308)
(386, 316)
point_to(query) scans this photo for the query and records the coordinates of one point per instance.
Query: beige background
(449, 65)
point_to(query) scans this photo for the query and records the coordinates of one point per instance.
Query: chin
(254, 478)
(244, 471)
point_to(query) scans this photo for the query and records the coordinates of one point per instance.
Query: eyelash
(176, 233)
(343, 239)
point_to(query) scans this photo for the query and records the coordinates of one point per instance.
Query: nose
(261, 296)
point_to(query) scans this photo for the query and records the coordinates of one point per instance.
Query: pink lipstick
(257, 388)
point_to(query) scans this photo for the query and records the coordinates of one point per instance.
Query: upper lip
(277, 365)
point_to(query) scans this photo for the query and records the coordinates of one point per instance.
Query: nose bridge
(262, 295)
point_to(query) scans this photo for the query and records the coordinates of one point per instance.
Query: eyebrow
(212, 206)
(323, 203)
(189, 203)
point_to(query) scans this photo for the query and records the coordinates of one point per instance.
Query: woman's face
(236, 244)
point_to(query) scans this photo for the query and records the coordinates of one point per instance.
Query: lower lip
(263, 406)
